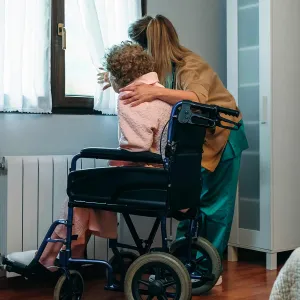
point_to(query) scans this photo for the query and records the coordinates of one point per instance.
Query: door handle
(264, 112)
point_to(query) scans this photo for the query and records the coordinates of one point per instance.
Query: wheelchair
(178, 268)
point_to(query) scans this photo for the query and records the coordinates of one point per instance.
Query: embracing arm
(145, 93)
(174, 96)
(194, 85)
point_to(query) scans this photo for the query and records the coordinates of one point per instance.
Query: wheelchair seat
(135, 190)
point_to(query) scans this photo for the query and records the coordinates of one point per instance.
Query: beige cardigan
(197, 76)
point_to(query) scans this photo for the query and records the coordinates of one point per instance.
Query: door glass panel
(248, 97)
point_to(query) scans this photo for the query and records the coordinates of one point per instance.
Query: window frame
(62, 104)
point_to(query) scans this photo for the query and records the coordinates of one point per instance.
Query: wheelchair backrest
(184, 156)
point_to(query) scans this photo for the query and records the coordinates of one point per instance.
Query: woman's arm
(145, 93)
(194, 82)
(174, 96)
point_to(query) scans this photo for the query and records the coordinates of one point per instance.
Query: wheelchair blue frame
(66, 255)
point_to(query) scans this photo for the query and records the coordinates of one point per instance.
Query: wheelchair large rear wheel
(205, 264)
(172, 280)
(71, 289)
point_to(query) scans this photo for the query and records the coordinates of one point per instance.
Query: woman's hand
(103, 78)
(140, 93)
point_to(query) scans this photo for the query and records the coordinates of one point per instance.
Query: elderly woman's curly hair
(127, 62)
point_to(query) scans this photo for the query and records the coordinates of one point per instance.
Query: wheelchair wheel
(71, 289)
(128, 258)
(205, 263)
(172, 279)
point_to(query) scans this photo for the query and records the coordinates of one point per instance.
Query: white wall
(285, 126)
(201, 25)
(23, 134)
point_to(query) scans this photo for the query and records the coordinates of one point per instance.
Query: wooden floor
(241, 281)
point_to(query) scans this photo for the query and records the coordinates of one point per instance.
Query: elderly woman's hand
(140, 93)
(102, 77)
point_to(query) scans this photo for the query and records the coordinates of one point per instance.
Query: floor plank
(241, 281)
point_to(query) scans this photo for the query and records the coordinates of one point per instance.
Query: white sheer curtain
(105, 23)
(25, 56)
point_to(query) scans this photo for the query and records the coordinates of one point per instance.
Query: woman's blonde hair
(160, 38)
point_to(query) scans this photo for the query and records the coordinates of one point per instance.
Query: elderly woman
(143, 128)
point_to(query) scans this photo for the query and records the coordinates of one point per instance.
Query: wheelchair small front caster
(172, 279)
(71, 289)
(205, 266)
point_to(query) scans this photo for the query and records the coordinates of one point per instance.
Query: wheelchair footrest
(13, 266)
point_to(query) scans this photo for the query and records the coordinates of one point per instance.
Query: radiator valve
(2, 164)
(2, 267)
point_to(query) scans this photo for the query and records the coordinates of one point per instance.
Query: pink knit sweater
(142, 126)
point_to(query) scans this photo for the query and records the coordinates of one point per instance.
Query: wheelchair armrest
(120, 154)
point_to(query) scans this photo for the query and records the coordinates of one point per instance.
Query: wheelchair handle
(228, 111)
(209, 116)
(211, 109)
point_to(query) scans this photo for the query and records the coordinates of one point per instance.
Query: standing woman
(188, 76)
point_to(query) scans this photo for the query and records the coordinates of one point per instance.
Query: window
(25, 57)
(81, 30)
